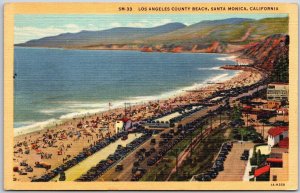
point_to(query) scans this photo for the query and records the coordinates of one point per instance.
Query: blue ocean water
(58, 83)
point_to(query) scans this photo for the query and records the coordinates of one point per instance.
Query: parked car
(153, 141)
(119, 167)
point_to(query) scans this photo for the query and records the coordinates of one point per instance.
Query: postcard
(151, 96)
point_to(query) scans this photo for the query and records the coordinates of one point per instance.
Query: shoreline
(119, 104)
(138, 100)
(69, 143)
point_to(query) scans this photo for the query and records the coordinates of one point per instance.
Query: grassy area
(199, 159)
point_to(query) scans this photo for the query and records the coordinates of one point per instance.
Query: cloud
(162, 22)
(137, 24)
(115, 24)
(24, 34)
(72, 27)
(149, 23)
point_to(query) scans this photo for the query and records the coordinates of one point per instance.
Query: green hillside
(229, 33)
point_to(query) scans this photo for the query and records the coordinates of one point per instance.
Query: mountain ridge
(209, 36)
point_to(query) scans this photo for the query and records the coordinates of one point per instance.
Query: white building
(278, 91)
(277, 134)
(282, 111)
(119, 126)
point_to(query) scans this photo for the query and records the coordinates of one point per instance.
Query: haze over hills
(110, 36)
(222, 36)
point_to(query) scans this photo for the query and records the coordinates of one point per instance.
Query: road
(127, 162)
(199, 114)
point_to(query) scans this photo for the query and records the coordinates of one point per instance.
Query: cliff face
(269, 52)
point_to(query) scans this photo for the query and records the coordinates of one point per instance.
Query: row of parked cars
(218, 166)
(170, 139)
(96, 171)
(82, 156)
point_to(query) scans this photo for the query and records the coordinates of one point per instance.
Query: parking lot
(128, 161)
(234, 167)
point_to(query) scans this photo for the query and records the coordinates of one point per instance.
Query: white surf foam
(80, 109)
(213, 68)
(232, 58)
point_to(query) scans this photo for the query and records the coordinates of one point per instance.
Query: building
(282, 111)
(119, 126)
(280, 173)
(278, 91)
(271, 104)
(260, 171)
(277, 134)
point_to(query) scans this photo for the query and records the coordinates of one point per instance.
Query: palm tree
(242, 132)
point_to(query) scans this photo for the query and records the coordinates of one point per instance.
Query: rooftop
(284, 143)
(277, 130)
(274, 160)
(261, 170)
(278, 83)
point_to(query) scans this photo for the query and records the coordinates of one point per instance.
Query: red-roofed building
(261, 170)
(277, 134)
(275, 162)
(279, 171)
(284, 143)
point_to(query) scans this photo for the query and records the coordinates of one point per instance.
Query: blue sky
(29, 27)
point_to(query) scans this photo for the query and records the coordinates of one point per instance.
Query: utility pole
(247, 118)
(211, 122)
(177, 161)
(127, 108)
(191, 144)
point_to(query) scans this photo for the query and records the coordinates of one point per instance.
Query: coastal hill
(271, 53)
(213, 36)
(111, 36)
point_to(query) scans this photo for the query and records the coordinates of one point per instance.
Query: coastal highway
(200, 113)
(127, 162)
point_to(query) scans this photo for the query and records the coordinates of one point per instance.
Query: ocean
(56, 84)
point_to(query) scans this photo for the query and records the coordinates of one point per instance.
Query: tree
(258, 157)
(236, 113)
(253, 160)
(243, 132)
(281, 69)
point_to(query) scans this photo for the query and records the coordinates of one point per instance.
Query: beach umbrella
(38, 151)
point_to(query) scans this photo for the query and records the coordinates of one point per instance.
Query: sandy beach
(54, 146)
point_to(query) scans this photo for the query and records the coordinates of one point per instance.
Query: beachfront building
(276, 167)
(280, 170)
(278, 91)
(271, 104)
(277, 134)
(119, 126)
(282, 111)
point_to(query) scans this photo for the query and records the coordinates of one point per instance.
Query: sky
(32, 26)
